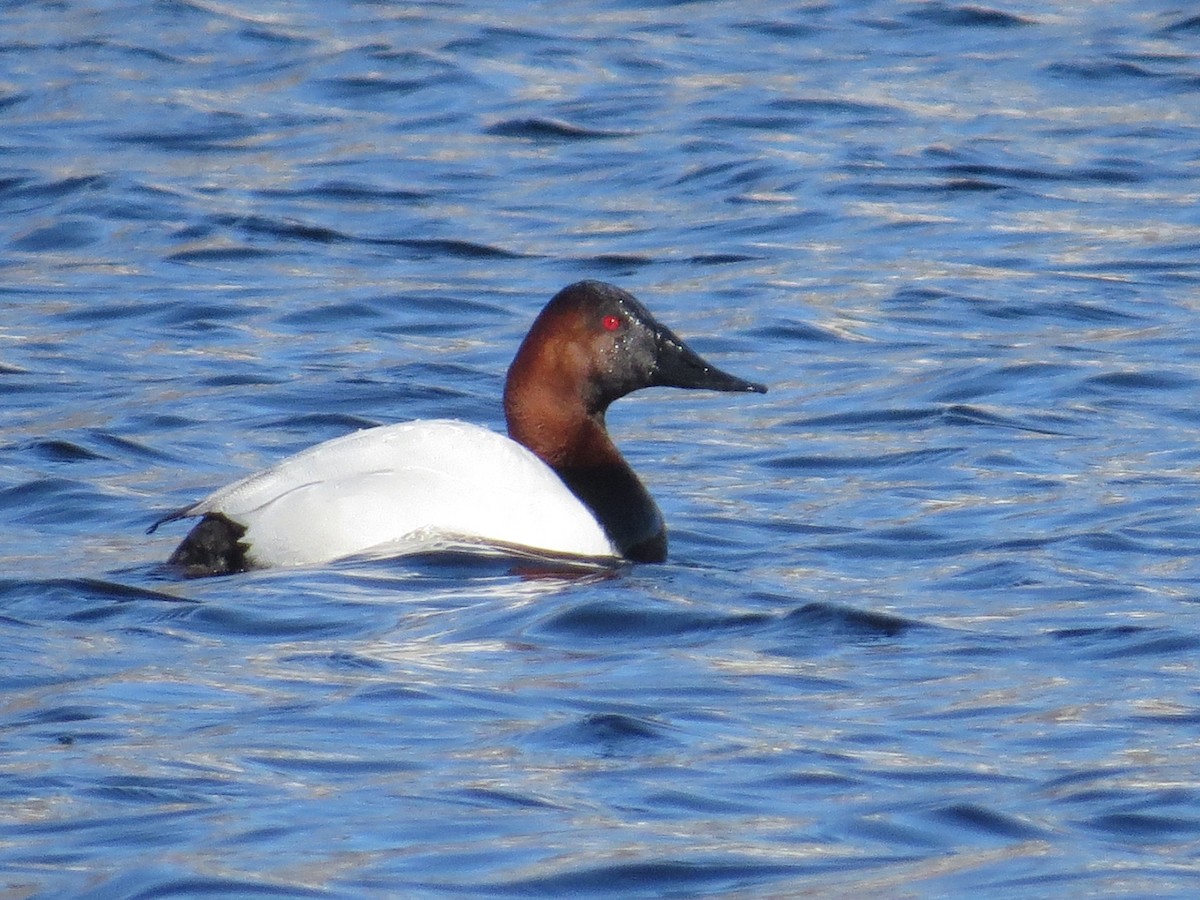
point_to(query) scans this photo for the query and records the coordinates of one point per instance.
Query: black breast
(623, 507)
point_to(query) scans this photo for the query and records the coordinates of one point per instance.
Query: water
(929, 622)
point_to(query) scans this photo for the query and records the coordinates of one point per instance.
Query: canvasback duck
(556, 486)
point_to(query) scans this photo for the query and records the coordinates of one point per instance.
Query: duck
(556, 486)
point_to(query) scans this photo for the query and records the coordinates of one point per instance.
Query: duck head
(594, 343)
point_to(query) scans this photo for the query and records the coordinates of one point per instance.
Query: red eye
(611, 323)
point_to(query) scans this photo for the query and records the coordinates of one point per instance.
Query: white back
(414, 481)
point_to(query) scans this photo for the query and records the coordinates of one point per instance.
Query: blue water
(930, 621)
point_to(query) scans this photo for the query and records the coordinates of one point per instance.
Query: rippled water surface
(930, 622)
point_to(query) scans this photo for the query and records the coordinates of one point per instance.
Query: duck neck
(563, 435)
(575, 443)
